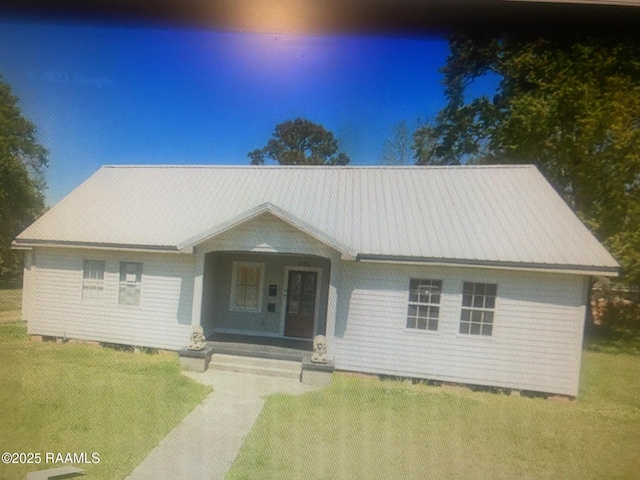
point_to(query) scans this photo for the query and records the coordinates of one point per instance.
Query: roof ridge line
(317, 167)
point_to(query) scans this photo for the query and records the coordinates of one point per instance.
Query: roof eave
(27, 244)
(591, 270)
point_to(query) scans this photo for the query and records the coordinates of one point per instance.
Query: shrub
(621, 315)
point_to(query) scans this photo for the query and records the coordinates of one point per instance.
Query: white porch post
(198, 279)
(332, 303)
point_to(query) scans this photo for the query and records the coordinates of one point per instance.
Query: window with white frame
(478, 308)
(93, 280)
(424, 304)
(130, 283)
(246, 286)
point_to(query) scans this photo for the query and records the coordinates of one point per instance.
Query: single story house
(467, 274)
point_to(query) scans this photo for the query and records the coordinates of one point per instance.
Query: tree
(22, 184)
(396, 149)
(300, 142)
(423, 143)
(570, 107)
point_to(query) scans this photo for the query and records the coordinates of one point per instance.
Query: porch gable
(271, 229)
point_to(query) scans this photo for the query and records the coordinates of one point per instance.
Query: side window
(130, 283)
(478, 308)
(424, 304)
(247, 282)
(93, 280)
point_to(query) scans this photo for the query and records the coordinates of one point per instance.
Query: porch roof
(490, 215)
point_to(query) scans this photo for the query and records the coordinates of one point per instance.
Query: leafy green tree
(300, 142)
(22, 184)
(570, 107)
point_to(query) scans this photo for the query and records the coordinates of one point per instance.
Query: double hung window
(130, 283)
(478, 308)
(93, 280)
(424, 304)
(246, 286)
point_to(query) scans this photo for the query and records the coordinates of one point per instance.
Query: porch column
(332, 303)
(198, 278)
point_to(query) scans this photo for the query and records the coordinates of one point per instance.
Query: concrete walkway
(207, 441)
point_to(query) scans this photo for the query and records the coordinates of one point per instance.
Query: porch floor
(272, 352)
(289, 348)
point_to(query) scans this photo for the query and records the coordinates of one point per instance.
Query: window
(424, 304)
(93, 280)
(130, 283)
(478, 308)
(246, 286)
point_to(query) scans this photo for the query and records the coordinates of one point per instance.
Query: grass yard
(10, 302)
(78, 398)
(363, 429)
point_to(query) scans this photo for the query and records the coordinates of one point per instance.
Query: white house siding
(53, 298)
(536, 341)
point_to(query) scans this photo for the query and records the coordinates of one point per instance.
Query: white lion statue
(319, 349)
(198, 342)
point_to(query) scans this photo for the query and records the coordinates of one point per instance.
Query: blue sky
(142, 95)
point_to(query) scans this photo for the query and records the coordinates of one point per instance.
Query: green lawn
(78, 398)
(363, 429)
(10, 302)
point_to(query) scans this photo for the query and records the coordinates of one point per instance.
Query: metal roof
(488, 215)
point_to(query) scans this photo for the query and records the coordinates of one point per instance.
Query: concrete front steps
(258, 360)
(257, 366)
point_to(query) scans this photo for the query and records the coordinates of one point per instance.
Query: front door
(301, 304)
